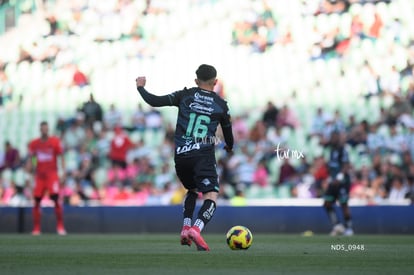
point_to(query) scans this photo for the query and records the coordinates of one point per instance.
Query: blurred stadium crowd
(344, 65)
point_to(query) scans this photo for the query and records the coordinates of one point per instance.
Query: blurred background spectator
(9, 158)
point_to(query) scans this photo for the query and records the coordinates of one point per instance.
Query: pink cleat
(195, 236)
(185, 239)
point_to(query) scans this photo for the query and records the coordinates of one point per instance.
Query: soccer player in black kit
(338, 186)
(200, 111)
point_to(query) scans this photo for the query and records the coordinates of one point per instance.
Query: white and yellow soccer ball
(239, 238)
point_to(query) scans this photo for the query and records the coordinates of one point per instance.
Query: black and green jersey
(338, 157)
(199, 114)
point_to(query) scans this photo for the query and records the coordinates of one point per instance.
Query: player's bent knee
(211, 196)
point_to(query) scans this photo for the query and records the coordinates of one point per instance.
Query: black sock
(347, 216)
(205, 213)
(189, 206)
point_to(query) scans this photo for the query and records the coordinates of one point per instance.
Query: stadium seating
(284, 74)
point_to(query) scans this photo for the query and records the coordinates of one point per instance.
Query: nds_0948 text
(341, 247)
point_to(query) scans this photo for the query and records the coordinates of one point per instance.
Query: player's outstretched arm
(228, 136)
(151, 99)
(228, 149)
(227, 130)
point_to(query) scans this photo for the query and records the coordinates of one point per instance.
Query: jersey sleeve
(177, 96)
(227, 128)
(58, 147)
(172, 99)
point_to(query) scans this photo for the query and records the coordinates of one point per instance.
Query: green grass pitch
(162, 254)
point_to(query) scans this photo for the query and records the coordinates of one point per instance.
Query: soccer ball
(239, 237)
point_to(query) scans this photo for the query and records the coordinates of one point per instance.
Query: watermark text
(286, 153)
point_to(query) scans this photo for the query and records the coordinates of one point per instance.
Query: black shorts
(338, 191)
(198, 172)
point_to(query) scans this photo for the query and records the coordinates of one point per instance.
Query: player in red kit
(46, 150)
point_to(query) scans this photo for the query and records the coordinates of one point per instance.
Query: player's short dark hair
(44, 122)
(206, 72)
